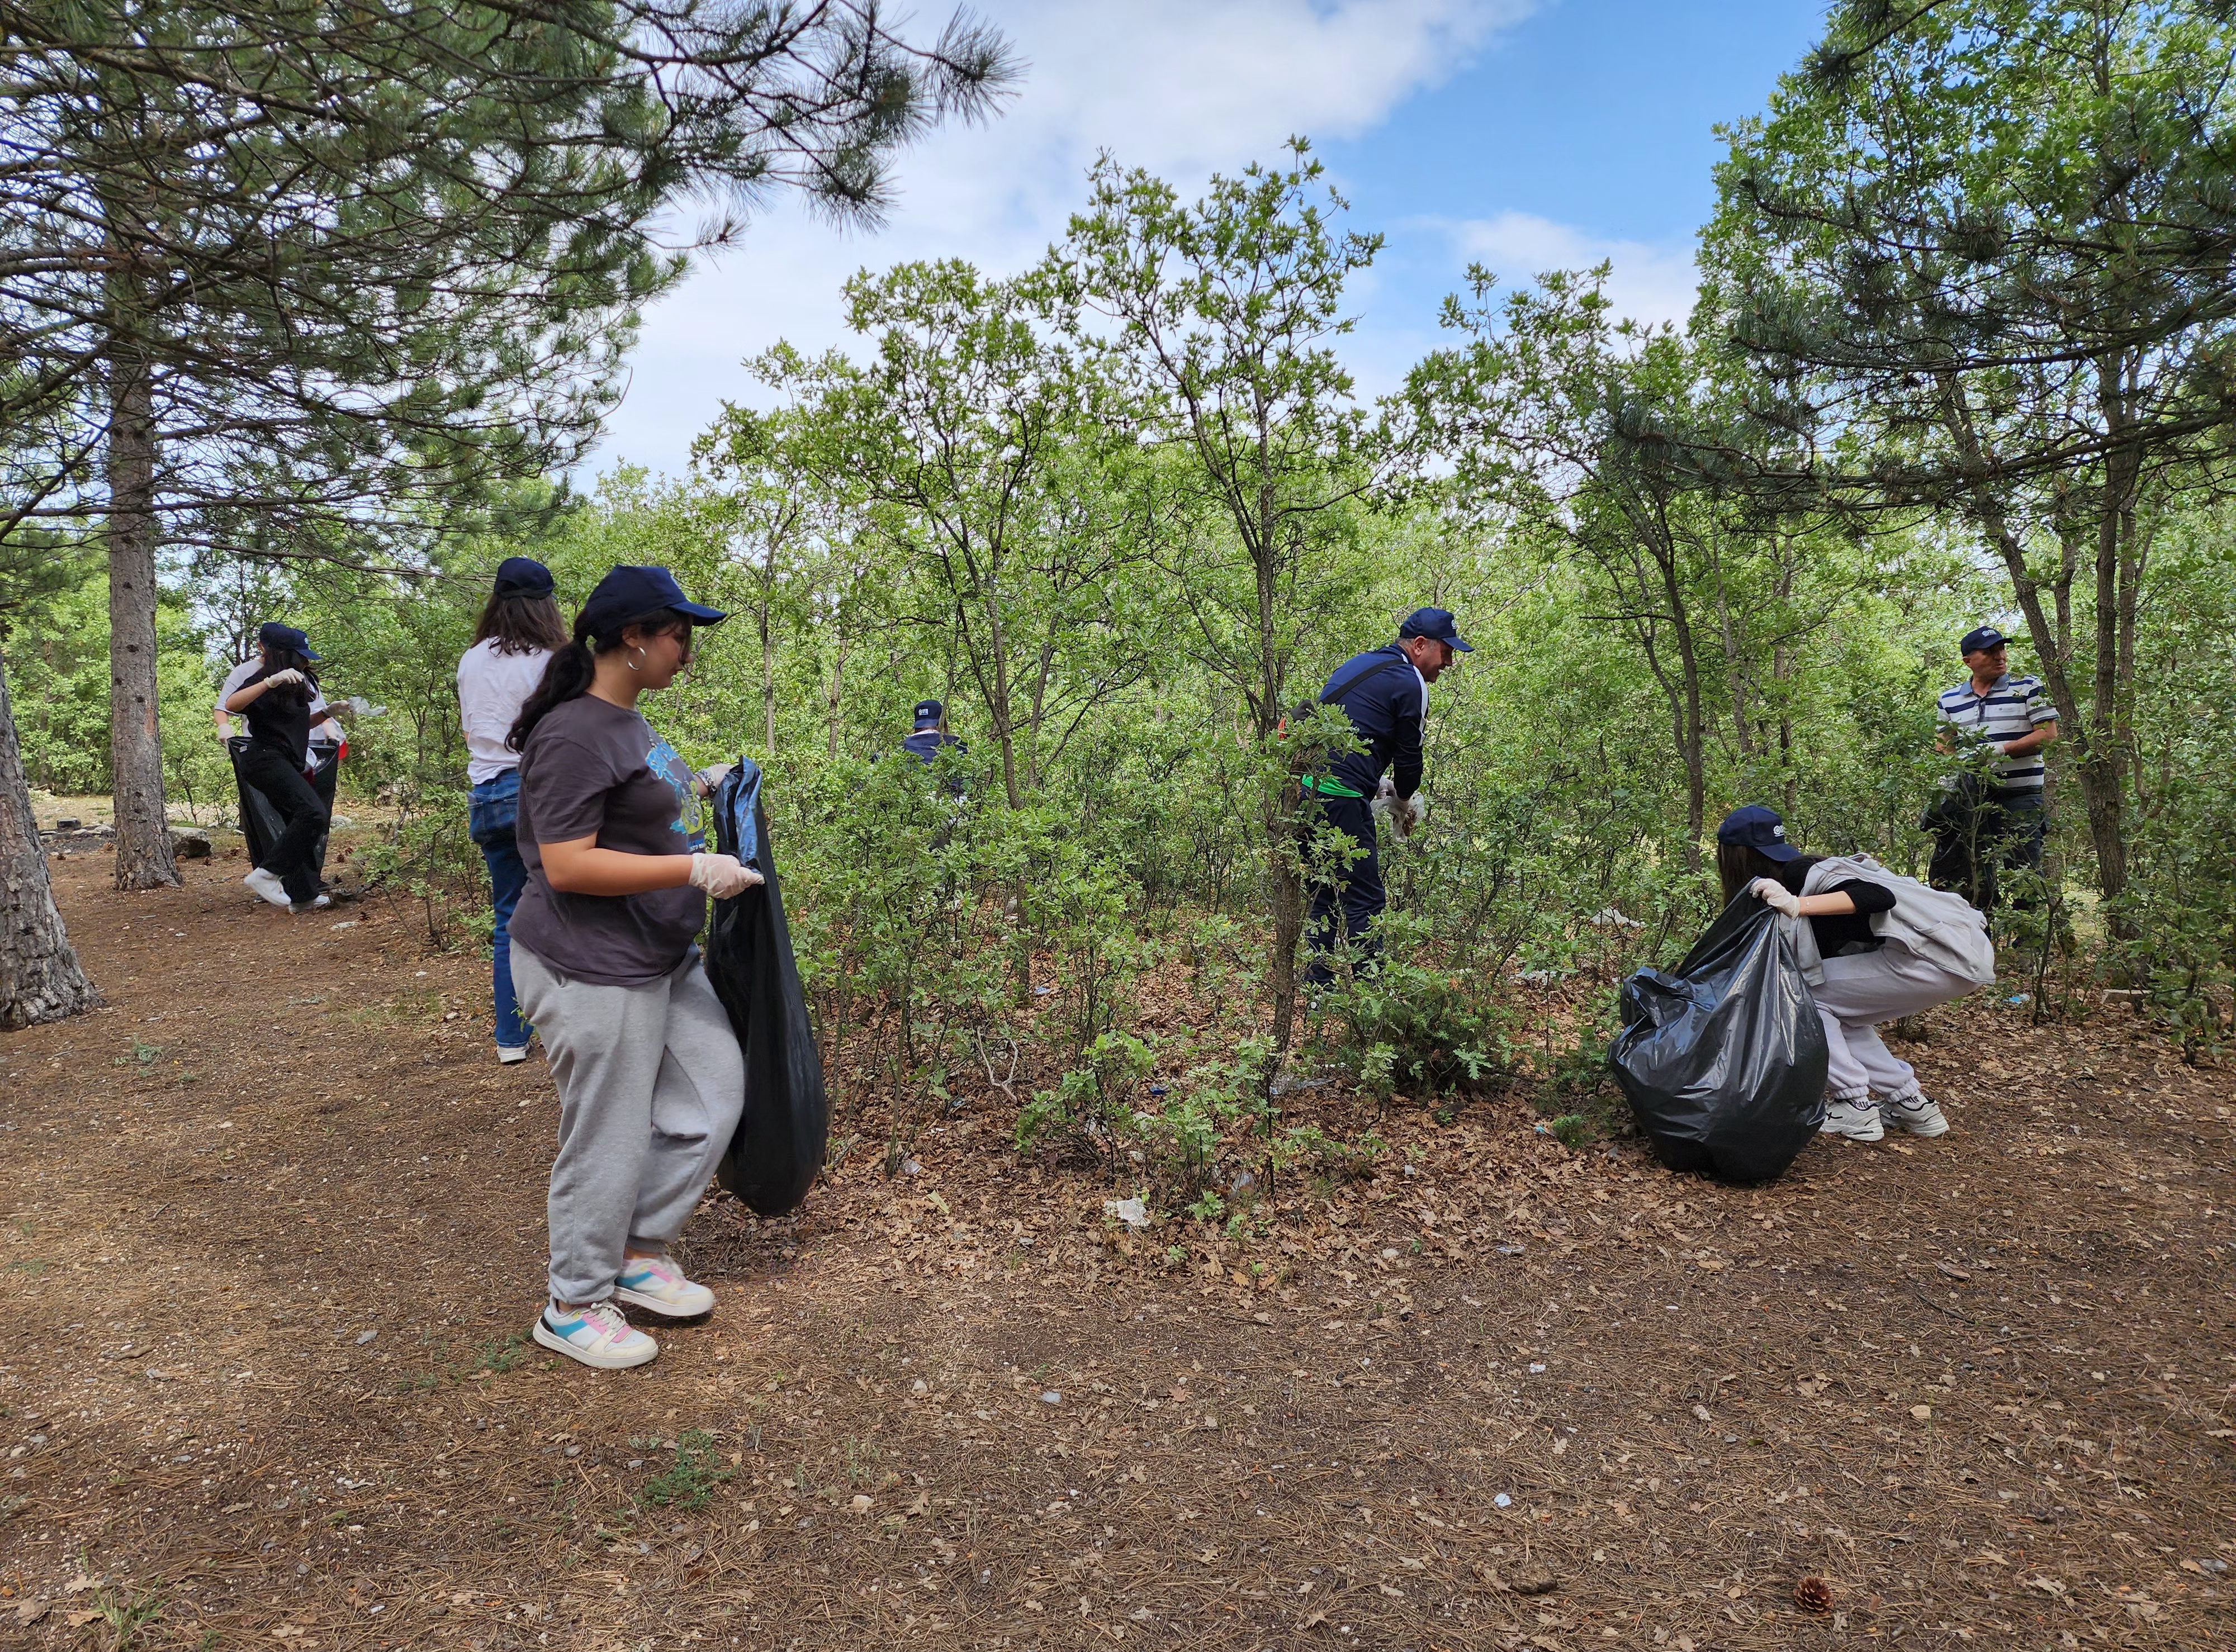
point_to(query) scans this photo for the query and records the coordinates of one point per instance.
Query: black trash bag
(259, 821)
(1723, 1062)
(774, 1157)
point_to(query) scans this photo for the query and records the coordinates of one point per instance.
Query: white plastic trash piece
(1501, 1501)
(1132, 1212)
(364, 707)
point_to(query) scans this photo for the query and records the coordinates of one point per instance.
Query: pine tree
(1991, 249)
(310, 275)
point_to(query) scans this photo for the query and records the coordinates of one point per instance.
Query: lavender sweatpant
(1856, 995)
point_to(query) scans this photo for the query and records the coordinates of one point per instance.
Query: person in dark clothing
(276, 701)
(1867, 978)
(1385, 694)
(931, 737)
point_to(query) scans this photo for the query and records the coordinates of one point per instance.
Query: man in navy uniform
(1385, 694)
(930, 733)
(932, 736)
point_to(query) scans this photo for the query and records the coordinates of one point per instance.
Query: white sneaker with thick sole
(1857, 1123)
(316, 903)
(1917, 1116)
(265, 886)
(598, 1335)
(659, 1284)
(507, 1056)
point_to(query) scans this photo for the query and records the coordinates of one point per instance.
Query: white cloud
(1647, 284)
(1181, 87)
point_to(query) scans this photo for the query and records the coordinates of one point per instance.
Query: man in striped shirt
(1986, 823)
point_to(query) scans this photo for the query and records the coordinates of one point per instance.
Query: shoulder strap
(1377, 661)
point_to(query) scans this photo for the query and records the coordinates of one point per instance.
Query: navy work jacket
(923, 746)
(1386, 708)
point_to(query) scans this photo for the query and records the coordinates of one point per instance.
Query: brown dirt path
(273, 1223)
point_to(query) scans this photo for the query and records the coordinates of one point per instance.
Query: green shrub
(1411, 1023)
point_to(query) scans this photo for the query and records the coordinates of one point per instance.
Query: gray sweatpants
(651, 1083)
(1858, 992)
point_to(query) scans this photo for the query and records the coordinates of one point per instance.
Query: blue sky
(1524, 134)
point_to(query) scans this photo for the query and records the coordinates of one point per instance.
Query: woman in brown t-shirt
(606, 965)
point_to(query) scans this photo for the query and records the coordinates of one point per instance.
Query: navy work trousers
(1346, 900)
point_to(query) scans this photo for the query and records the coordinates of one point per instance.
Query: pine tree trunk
(40, 978)
(143, 838)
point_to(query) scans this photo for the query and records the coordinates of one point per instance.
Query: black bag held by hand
(774, 1157)
(1724, 1061)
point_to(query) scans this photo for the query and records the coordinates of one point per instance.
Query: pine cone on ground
(1813, 1595)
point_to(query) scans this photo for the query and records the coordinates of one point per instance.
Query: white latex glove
(722, 876)
(291, 675)
(710, 779)
(1775, 896)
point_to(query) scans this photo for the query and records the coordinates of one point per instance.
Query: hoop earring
(639, 655)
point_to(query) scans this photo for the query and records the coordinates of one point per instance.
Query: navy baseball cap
(1984, 636)
(1437, 625)
(522, 576)
(1760, 829)
(274, 634)
(928, 713)
(631, 593)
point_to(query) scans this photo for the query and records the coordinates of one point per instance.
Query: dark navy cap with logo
(928, 713)
(1437, 625)
(522, 576)
(1760, 829)
(274, 633)
(1985, 636)
(631, 593)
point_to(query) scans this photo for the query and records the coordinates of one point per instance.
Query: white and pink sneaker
(597, 1335)
(657, 1283)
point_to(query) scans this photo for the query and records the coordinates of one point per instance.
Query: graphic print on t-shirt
(667, 761)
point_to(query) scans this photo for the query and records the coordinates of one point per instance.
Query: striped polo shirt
(2013, 707)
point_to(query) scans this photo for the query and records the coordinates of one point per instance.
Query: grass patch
(496, 1356)
(690, 1480)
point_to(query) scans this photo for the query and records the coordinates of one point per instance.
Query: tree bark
(768, 662)
(838, 681)
(136, 746)
(40, 977)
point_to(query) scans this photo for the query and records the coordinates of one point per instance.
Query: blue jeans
(496, 805)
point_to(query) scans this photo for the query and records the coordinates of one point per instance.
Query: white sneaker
(597, 1335)
(507, 1056)
(267, 886)
(659, 1284)
(316, 903)
(1917, 1116)
(1857, 1123)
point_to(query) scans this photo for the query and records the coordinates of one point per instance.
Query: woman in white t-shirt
(520, 626)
